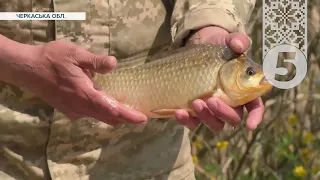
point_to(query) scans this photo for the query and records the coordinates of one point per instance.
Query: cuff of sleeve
(203, 18)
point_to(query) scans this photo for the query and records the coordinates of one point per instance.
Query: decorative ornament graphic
(285, 31)
(285, 22)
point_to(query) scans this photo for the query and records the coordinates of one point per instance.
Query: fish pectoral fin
(169, 113)
(165, 113)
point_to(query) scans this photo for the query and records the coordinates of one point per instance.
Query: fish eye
(251, 71)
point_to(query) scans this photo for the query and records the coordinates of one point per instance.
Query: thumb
(238, 42)
(96, 63)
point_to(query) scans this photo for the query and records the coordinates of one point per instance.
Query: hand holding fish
(207, 83)
(213, 112)
(58, 73)
(180, 85)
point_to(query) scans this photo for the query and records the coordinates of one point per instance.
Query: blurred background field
(287, 143)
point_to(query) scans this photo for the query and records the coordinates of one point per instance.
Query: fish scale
(170, 82)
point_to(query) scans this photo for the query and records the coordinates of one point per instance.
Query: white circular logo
(270, 66)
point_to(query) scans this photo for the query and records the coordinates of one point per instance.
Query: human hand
(60, 74)
(214, 113)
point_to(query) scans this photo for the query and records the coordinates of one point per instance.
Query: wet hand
(60, 74)
(214, 113)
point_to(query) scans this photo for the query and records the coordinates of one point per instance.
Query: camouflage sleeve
(187, 15)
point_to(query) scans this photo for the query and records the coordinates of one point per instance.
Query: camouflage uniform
(35, 143)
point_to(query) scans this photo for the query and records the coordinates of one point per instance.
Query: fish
(174, 81)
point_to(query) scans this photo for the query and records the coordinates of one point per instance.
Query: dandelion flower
(299, 171)
(222, 144)
(195, 159)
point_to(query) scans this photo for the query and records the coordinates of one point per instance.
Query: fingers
(185, 119)
(102, 107)
(210, 34)
(95, 104)
(132, 116)
(105, 107)
(213, 113)
(238, 42)
(225, 113)
(68, 85)
(96, 63)
(255, 113)
(206, 116)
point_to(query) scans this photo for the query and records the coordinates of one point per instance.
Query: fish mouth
(264, 81)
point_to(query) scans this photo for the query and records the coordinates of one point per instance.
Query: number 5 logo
(272, 59)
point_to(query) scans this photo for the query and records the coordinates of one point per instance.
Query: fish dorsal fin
(221, 52)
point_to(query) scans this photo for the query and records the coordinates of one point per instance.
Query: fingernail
(238, 44)
(139, 121)
(112, 61)
(178, 115)
(254, 127)
(143, 118)
(197, 106)
(214, 104)
(143, 123)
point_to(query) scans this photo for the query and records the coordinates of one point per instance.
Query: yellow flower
(293, 119)
(307, 138)
(195, 159)
(212, 178)
(198, 144)
(222, 144)
(299, 171)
